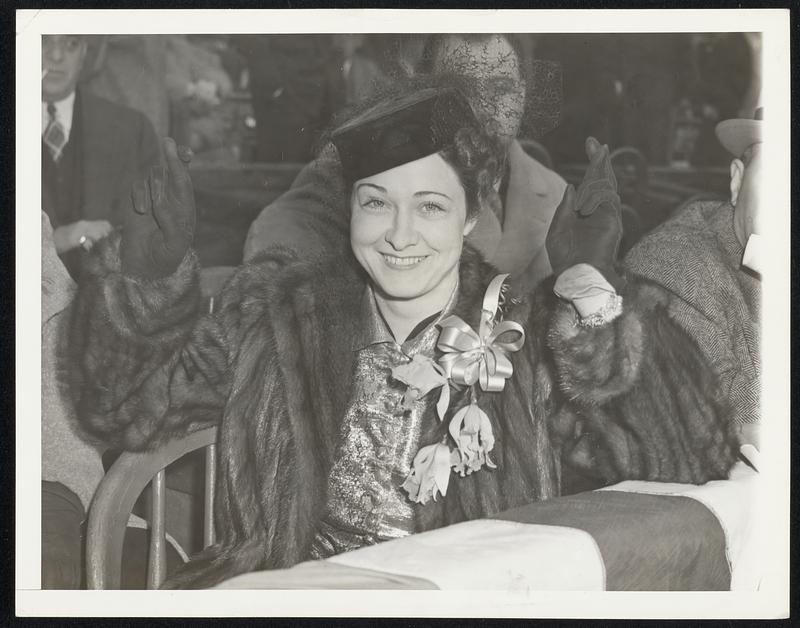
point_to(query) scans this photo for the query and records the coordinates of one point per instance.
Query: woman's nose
(403, 232)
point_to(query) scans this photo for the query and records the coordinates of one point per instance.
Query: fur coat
(273, 366)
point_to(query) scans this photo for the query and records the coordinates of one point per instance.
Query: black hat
(393, 133)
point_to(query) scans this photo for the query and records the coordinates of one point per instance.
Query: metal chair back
(128, 478)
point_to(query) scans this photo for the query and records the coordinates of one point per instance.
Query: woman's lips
(403, 262)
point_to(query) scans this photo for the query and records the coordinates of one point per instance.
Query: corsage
(473, 359)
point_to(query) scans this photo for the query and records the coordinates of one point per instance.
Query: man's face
(744, 195)
(62, 60)
(493, 67)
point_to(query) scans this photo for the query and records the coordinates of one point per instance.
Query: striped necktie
(54, 136)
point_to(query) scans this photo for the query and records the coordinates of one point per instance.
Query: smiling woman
(349, 391)
(408, 222)
(407, 231)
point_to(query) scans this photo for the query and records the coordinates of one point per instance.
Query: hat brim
(737, 135)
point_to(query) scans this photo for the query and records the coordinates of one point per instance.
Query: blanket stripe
(648, 542)
(735, 504)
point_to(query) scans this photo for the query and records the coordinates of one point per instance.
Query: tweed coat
(273, 367)
(717, 302)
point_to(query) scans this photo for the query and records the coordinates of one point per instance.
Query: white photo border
(772, 600)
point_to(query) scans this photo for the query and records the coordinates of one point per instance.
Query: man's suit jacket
(310, 218)
(117, 147)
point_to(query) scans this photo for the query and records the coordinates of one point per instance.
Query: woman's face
(407, 229)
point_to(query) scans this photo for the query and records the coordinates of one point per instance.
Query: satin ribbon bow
(481, 356)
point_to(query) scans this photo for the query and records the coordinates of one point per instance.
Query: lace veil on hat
(478, 55)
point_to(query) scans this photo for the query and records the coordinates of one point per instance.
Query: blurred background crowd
(253, 107)
(266, 98)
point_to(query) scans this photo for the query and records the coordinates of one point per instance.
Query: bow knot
(480, 357)
(469, 357)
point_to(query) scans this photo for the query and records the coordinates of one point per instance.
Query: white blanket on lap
(512, 556)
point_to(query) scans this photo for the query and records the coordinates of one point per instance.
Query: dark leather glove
(160, 230)
(587, 225)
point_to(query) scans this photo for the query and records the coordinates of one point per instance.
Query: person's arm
(707, 302)
(647, 403)
(146, 365)
(309, 218)
(640, 400)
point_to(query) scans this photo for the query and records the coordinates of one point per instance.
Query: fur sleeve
(648, 405)
(145, 364)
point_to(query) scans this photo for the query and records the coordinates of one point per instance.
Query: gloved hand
(587, 225)
(160, 230)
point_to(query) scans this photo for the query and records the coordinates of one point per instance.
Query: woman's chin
(396, 292)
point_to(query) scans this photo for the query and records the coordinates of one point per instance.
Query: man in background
(512, 236)
(92, 152)
(708, 256)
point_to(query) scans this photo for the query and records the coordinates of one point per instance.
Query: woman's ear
(737, 173)
(470, 225)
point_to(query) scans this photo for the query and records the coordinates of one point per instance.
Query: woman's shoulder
(475, 276)
(280, 278)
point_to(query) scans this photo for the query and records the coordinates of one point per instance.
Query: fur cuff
(596, 364)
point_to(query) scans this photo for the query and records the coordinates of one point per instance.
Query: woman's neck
(403, 315)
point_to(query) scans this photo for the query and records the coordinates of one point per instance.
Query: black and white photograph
(403, 313)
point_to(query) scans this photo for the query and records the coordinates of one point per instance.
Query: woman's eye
(432, 208)
(374, 203)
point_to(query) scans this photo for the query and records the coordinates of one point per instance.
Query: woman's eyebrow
(425, 192)
(372, 185)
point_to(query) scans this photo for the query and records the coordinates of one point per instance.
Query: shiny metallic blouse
(378, 442)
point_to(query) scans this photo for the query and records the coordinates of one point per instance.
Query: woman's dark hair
(476, 156)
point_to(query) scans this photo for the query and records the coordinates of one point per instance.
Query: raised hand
(160, 230)
(587, 225)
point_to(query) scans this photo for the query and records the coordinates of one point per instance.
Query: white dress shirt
(754, 253)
